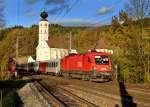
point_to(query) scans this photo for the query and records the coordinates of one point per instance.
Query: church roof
(30, 59)
(44, 15)
(43, 44)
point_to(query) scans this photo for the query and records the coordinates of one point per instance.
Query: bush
(4, 73)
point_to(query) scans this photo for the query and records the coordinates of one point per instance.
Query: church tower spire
(43, 27)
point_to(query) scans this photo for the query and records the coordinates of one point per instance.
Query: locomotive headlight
(109, 68)
(103, 68)
(94, 68)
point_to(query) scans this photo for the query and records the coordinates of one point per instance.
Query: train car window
(101, 60)
(51, 64)
(89, 60)
(54, 64)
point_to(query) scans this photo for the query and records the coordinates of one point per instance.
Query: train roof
(89, 54)
(97, 53)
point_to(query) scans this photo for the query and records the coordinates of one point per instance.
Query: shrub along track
(103, 94)
(60, 97)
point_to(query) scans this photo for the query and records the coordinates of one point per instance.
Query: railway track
(108, 96)
(76, 93)
(60, 97)
(103, 91)
(48, 96)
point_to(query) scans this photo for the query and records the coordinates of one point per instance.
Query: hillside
(83, 38)
(129, 41)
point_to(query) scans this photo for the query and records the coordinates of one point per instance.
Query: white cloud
(104, 10)
(56, 1)
(31, 1)
(75, 22)
(30, 13)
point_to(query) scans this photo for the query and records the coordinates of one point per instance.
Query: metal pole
(1, 97)
(70, 41)
(148, 70)
(116, 67)
(16, 73)
(148, 78)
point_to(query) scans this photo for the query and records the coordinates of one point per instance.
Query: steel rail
(51, 99)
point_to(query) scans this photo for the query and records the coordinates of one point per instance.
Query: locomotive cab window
(101, 60)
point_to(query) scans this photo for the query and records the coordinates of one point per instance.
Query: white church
(43, 51)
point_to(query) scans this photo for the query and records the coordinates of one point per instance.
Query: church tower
(43, 50)
(43, 27)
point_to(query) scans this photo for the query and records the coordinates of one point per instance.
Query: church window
(45, 31)
(45, 24)
(41, 31)
(41, 24)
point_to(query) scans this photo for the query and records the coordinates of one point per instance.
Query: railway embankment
(50, 91)
(30, 95)
(110, 94)
(21, 93)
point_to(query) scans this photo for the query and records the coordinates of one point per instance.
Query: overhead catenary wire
(68, 11)
(99, 22)
(18, 12)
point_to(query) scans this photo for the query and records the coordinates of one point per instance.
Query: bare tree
(138, 9)
(2, 20)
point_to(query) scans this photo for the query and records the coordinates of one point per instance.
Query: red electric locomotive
(93, 66)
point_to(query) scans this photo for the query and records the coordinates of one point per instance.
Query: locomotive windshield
(101, 59)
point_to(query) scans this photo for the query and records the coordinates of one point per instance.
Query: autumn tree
(138, 10)
(115, 23)
(4, 73)
(123, 17)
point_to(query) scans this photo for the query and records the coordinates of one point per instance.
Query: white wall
(43, 30)
(42, 52)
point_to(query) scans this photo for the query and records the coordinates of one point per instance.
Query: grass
(11, 99)
(10, 95)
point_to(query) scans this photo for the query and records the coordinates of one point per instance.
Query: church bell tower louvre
(43, 27)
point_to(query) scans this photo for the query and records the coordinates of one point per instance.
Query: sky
(64, 12)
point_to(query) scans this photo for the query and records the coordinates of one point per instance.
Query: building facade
(43, 50)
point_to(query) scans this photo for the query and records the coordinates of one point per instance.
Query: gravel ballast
(31, 97)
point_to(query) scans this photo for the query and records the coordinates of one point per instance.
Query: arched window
(45, 24)
(45, 31)
(41, 24)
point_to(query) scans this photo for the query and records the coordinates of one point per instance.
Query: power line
(18, 11)
(71, 7)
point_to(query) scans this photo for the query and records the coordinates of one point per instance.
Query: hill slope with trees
(130, 50)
